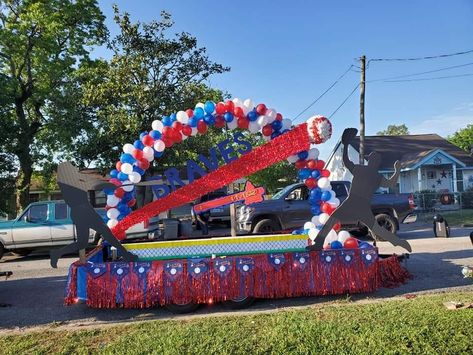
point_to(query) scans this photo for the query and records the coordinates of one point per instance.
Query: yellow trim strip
(215, 241)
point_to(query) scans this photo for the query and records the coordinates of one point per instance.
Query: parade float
(188, 272)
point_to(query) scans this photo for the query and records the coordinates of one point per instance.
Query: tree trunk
(23, 182)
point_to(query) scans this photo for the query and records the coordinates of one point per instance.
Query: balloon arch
(285, 142)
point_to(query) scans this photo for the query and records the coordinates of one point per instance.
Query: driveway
(35, 291)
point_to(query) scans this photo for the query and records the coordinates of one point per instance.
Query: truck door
(62, 228)
(32, 229)
(296, 210)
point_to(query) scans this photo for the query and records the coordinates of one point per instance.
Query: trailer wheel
(239, 303)
(183, 308)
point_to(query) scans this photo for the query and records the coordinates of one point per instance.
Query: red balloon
(119, 192)
(167, 142)
(220, 108)
(177, 136)
(279, 116)
(137, 154)
(187, 130)
(177, 125)
(325, 173)
(311, 183)
(320, 164)
(190, 112)
(311, 164)
(350, 243)
(143, 164)
(115, 181)
(131, 203)
(267, 130)
(300, 164)
(201, 127)
(219, 121)
(229, 106)
(238, 111)
(337, 227)
(261, 109)
(148, 140)
(118, 165)
(243, 122)
(167, 131)
(326, 208)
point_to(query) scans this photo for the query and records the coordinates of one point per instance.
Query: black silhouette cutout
(357, 207)
(74, 187)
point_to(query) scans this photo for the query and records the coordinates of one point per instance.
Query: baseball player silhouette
(74, 187)
(357, 207)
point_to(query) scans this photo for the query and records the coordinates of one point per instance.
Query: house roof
(410, 149)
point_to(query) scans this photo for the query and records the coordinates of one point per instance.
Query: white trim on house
(432, 154)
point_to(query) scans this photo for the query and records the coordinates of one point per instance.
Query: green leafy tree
(394, 130)
(463, 138)
(41, 45)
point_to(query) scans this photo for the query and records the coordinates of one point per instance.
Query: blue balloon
(326, 195)
(138, 170)
(276, 125)
(166, 121)
(315, 210)
(252, 115)
(143, 134)
(139, 144)
(285, 131)
(113, 173)
(198, 113)
(122, 176)
(304, 173)
(108, 191)
(298, 231)
(336, 245)
(120, 217)
(319, 226)
(365, 245)
(127, 158)
(173, 117)
(158, 155)
(155, 134)
(228, 116)
(315, 174)
(209, 119)
(275, 134)
(193, 121)
(209, 107)
(303, 155)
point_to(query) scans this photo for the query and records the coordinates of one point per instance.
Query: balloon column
(232, 114)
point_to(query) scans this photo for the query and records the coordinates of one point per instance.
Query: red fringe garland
(220, 279)
(392, 273)
(259, 158)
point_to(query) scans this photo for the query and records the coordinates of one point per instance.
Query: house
(428, 162)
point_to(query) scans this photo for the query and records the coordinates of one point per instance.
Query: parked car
(290, 209)
(47, 224)
(218, 214)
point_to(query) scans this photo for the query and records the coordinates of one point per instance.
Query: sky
(286, 53)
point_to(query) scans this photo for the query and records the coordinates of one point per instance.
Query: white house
(428, 162)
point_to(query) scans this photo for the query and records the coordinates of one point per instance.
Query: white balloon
(129, 187)
(309, 225)
(313, 153)
(184, 137)
(201, 105)
(194, 131)
(148, 153)
(159, 145)
(112, 200)
(271, 113)
(134, 177)
(342, 236)
(182, 117)
(232, 125)
(157, 125)
(113, 213)
(324, 183)
(245, 110)
(254, 127)
(323, 218)
(249, 104)
(332, 236)
(128, 148)
(126, 168)
(267, 138)
(286, 124)
(333, 193)
(237, 102)
(313, 233)
(315, 220)
(335, 202)
(292, 159)
(262, 120)
(112, 223)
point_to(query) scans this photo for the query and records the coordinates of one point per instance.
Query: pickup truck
(290, 209)
(47, 224)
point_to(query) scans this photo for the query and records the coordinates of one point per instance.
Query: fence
(458, 206)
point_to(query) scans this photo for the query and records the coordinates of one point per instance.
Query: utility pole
(362, 109)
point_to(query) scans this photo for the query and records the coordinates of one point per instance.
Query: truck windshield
(278, 195)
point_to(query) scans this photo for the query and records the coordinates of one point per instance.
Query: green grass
(421, 325)
(454, 218)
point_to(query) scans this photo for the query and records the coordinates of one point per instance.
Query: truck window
(340, 190)
(60, 211)
(300, 193)
(37, 213)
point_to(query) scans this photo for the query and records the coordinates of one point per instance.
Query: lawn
(421, 325)
(454, 218)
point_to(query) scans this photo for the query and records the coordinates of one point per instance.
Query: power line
(326, 91)
(421, 73)
(434, 78)
(420, 58)
(344, 101)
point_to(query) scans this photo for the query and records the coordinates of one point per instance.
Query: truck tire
(2, 250)
(387, 222)
(239, 303)
(22, 252)
(266, 226)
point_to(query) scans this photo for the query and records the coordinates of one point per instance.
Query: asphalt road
(35, 291)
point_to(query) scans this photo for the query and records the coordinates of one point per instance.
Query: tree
(41, 44)
(463, 138)
(394, 130)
